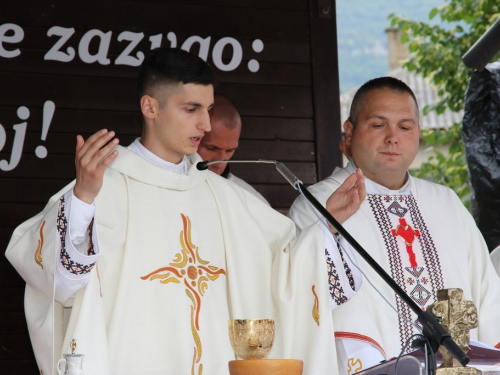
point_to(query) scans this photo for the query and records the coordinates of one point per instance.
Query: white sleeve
(77, 253)
(345, 279)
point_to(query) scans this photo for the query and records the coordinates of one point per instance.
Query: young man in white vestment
(143, 259)
(418, 231)
(221, 142)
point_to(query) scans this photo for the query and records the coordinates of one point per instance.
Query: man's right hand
(91, 162)
(347, 199)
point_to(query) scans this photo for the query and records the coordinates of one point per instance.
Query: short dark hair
(388, 83)
(172, 66)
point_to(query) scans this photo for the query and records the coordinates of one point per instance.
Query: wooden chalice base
(266, 367)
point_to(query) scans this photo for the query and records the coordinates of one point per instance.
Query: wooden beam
(325, 89)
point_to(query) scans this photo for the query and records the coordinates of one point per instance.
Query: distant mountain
(362, 42)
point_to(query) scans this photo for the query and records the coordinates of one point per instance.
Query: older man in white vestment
(221, 142)
(419, 232)
(150, 257)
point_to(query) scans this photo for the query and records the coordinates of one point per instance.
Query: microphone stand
(434, 332)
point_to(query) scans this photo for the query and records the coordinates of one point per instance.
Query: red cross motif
(408, 234)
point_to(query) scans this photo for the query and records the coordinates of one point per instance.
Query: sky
(362, 42)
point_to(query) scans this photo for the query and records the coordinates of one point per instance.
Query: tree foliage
(436, 52)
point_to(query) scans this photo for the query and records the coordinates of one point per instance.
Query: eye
(190, 109)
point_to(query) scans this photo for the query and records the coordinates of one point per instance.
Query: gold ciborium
(252, 340)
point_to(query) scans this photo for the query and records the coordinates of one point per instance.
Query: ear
(149, 107)
(348, 130)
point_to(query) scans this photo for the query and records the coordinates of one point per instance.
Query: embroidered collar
(377, 189)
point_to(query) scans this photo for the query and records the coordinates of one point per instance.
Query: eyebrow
(196, 104)
(208, 144)
(385, 118)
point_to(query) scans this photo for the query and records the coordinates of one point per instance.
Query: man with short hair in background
(221, 142)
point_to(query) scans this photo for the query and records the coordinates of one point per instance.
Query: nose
(204, 123)
(391, 135)
(220, 155)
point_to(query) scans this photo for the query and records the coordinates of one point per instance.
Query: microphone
(281, 168)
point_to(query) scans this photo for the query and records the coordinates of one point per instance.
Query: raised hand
(345, 201)
(92, 159)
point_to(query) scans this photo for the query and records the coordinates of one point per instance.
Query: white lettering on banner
(10, 39)
(61, 51)
(17, 148)
(48, 112)
(3, 137)
(204, 45)
(172, 38)
(102, 53)
(125, 58)
(219, 48)
(155, 41)
(20, 134)
(55, 53)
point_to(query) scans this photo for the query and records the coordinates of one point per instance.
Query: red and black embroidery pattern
(420, 281)
(430, 255)
(347, 270)
(336, 290)
(71, 266)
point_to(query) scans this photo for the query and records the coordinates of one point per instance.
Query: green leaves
(433, 13)
(449, 169)
(435, 52)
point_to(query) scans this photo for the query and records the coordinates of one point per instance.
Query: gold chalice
(251, 338)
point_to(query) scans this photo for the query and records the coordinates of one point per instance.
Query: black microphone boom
(432, 330)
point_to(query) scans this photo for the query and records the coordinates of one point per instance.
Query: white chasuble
(180, 256)
(425, 239)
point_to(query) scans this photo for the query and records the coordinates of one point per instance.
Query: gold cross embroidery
(195, 273)
(38, 252)
(354, 365)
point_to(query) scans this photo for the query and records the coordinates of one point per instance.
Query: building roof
(424, 92)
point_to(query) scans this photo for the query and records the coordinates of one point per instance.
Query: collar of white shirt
(377, 189)
(137, 148)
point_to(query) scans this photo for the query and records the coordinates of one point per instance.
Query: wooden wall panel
(287, 107)
(134, 15)
(270, 73)
(74, 121)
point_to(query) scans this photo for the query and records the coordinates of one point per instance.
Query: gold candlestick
(72, 345)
